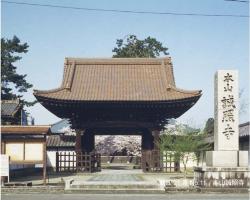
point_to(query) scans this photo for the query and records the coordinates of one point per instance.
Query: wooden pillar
(44, 161)
(147, 140)
(147, 146)
(78, 149)
(156, 155)
(3, 178)
(150, 150)
(78, 144)
(2, 147)
(156, 139)
(88, 141)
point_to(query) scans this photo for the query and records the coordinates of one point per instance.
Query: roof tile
(117, 79)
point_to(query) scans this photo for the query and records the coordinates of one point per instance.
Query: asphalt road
(124, 196)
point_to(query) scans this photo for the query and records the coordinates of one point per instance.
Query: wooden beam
(44, 161)
(26, 162)
(117, 124)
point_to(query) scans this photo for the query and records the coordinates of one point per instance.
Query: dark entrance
(119, 96)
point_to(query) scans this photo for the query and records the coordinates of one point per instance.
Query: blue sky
(198, 45)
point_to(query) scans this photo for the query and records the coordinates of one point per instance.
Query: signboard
(24, 151)
(15, 151)
(33, 151)
(5, 166)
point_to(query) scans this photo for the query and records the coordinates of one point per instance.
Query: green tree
(12, 83)
(183, 143)
(132, 47)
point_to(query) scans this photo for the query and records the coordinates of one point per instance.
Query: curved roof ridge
(197, 92)
(58, 122)
(48, 91)
(117, 79)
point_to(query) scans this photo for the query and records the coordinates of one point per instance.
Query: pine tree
(12, 83)
(135, 48)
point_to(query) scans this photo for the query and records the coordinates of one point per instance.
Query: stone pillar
(226, 166)
(226, 113)
(226, 124)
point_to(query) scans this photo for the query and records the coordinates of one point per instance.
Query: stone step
(116, 191)
(114, 185)
(118, 167)
(32, 189)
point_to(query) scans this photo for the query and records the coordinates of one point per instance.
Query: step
(115, 191)
(32, 189)
(113, 185)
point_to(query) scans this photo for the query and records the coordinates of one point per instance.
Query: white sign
(5, 165)
(226, 110)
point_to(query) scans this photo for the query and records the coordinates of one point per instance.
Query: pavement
(125, 196)
(123, 181)
(110, 181)
(104, 175)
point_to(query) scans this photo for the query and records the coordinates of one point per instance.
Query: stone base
(227, 158)
(222, 177)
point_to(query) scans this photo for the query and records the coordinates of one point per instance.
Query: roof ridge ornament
(169, 87)
(70, 77)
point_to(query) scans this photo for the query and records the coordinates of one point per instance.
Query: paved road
(125, 196)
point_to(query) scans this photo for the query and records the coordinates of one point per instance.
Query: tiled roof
(244, 129)
(61, 141)
(9, 107)
(118, 79)
(60, 126)
(30, 130)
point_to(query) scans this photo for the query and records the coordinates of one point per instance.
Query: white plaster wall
(192, 162)
(51, 157)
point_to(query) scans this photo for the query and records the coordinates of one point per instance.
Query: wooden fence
(154, 161)
(169, 164)
(78, 162)
(151, 161)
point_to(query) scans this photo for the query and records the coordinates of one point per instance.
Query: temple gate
(118, 96)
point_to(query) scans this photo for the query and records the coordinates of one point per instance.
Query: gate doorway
(119, 151)
(85, 142)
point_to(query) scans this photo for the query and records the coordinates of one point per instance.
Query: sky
(199, 46)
